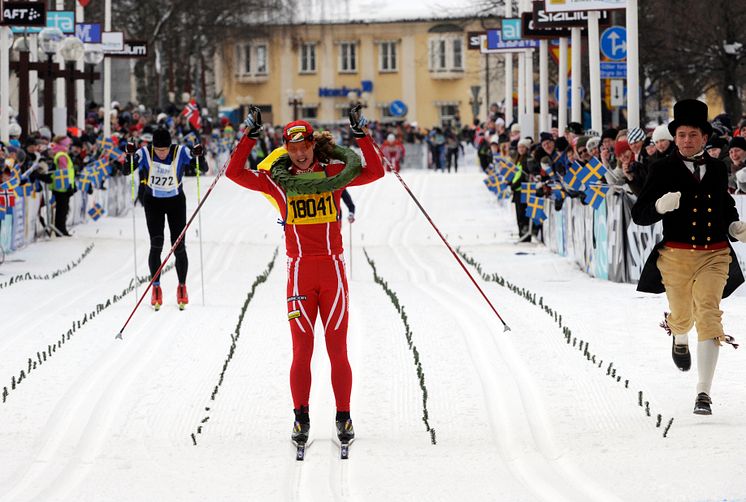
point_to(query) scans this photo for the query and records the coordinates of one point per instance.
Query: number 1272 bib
(312, 208)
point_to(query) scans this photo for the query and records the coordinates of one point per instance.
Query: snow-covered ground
(517, 416)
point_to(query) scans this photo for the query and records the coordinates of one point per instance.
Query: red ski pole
(171, 251)
(456, 256)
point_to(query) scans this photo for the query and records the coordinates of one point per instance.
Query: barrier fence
(606, 243)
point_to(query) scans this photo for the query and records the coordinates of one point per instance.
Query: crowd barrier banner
(606, 243)
(22, 226)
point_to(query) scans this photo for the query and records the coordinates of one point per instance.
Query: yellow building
(315, 71)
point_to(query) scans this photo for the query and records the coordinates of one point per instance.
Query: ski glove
(668, 202)
(357, 121)
(130, 148)
(738, 230)
(198, 150)
(253, 122)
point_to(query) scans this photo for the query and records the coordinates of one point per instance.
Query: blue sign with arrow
(397, 108)
(614, 43)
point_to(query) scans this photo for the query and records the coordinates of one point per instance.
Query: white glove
(738, 230)
(668, 202)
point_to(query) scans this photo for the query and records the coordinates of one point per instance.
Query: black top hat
(690, 112)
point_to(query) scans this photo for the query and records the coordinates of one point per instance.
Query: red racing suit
(317, 281)
(394, 152)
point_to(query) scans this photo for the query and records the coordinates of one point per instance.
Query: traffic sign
(617, 90)
(397, 108)
(613, 69)
(89, 33)
(614, 43)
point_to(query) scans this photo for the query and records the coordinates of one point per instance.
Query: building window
(348, 57)
(261, 59)
(448, 114)
(252, 59)
(458, 59)
(310, 112)
(446, 53)
(308, 58)
(387, 59)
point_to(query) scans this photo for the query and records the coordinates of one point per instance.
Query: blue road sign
(89, 33)
(614, 43)
(397, 108)
(569, 93)
(613, 69)
(495, 42)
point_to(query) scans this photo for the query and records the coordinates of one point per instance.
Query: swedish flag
(595, 194)
(527, 190)
(572, 176)
(13, 182)
(558, 193)
(83, 182)
(191, 139)
(535, 209)
(593, 170)
(24, 190)
(96, 211)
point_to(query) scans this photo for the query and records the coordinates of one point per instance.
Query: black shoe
(702, 404)
(681, 356)
(345, 431)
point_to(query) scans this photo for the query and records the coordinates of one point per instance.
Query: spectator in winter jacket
(717, 148)
(736, 160)
(635, 139)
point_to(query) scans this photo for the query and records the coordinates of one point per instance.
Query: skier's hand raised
(253, 122)
(198, 150)
(130, 148)
(357, 121)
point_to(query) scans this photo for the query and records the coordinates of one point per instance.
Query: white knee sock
(707, 359)
(681, 339)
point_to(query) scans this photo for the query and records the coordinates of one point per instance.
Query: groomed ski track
(518, 416)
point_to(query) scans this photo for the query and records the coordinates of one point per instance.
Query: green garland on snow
(280, 173)
(581, 345)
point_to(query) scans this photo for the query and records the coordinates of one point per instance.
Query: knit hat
(575, 128)
(635, 135)
(609, 133)
(494, 140)
(545, 136)
(161, 138)
(738, 142)
(716, 142)
(582, 142)
(515, 128)
(525, 142)
(620, 147)
(660, 133)
(593, 142)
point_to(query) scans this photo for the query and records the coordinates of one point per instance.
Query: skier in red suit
(317, 283)
(393, 150)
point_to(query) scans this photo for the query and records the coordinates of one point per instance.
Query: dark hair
(324, 146)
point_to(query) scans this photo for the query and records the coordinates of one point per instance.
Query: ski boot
(301, 426)
(345, 431)
(181, 296)
(702, 404)
(156, 297)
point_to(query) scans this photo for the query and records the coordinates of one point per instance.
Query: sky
(195, 405)
(389, 9)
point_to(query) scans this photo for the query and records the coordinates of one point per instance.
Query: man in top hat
(694, 263)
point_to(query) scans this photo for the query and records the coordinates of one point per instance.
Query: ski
(300, 449)
(344, 449)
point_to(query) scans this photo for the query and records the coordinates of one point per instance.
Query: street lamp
(295, 100)
(475, 101)
(71, 50)
(49, 41)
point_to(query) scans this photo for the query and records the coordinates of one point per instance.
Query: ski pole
(201, 261)
(171, 251)
(134, 227)
(456, 256)
(350, 250)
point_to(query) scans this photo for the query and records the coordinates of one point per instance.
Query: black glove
(130, 148)
(357, 121)
(253, 122)
(198, 150)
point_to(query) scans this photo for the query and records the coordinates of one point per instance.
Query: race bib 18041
(312, 208)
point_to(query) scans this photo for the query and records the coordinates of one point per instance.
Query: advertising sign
(545, 19)
(23, 14)
(578, 5)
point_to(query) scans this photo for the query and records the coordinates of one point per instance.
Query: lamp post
(49, 41)
(295, 100)
(72, 51)
(358, 98)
